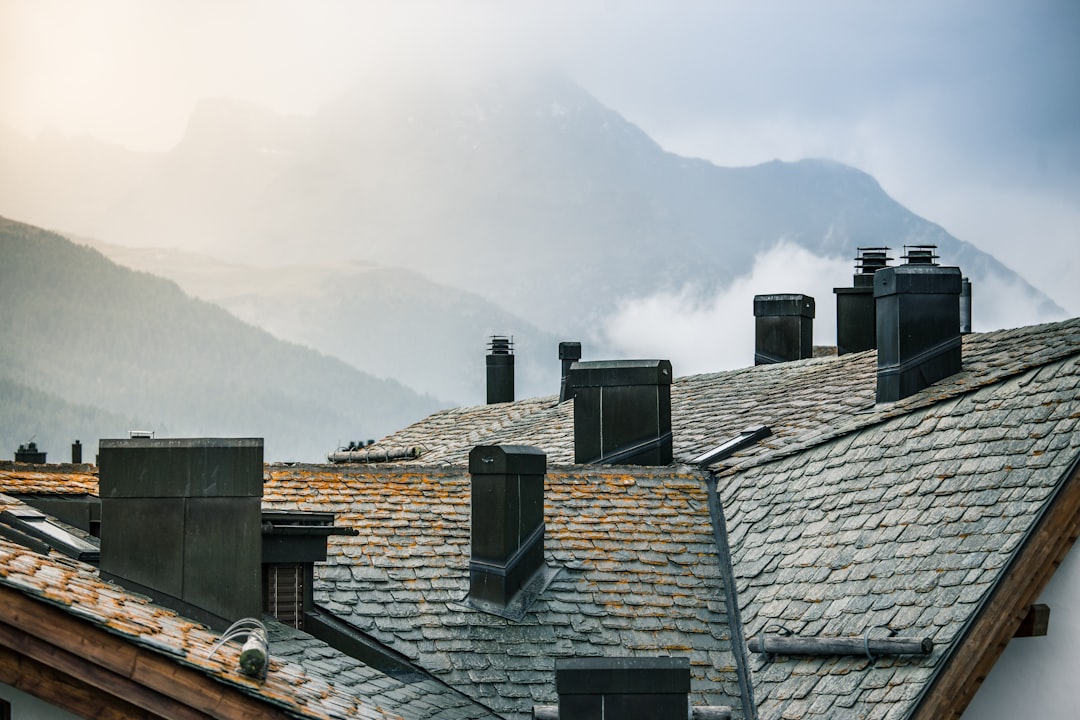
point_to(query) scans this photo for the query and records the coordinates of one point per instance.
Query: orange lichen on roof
(20, 479)
(75, 587)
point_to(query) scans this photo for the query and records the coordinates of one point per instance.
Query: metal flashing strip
(625, 453)
(502, 569)
(899, 368)
(731, 605)
(747, 437)
(519, 605)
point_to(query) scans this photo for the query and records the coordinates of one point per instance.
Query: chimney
(918, 324)
(783, 329)
(622, 412)
(76, 453)
(500, 370)
(569, 353)
(180, 521)
(965, 306)
(507, 524)
(855, 316)
(625, 688)
(29, 453)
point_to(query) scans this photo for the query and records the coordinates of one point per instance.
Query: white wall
(1040, 677)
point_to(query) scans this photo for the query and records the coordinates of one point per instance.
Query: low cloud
(717, 333)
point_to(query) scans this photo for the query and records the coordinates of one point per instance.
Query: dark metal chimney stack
(500, 370)
(627, 688)
(965, 306)
(507, 523)
(569, 353)
(181, 522)
(30, 453)
(783, 328)
(918, 324)
(856, 319)
(76, 453)
(622, 412)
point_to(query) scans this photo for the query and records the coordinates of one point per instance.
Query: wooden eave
(94, 674)
(1001, 616)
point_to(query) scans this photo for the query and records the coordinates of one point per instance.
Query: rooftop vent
(622, 412)
(181, 522)
(918, 324)
(506, 567)
(29, 453)
(500, 369)
(855, 316)
(783, 328)
(76, 453)
(569, 353)
(920, 254)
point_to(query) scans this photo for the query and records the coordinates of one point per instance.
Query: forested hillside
(87, 332)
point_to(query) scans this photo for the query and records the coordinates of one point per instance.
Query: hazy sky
(967, 111)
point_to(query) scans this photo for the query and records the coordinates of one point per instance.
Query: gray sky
(966, 111)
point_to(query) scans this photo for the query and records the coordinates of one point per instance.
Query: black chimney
(625, 688)
(500, 370)
(29, 453)
(622, 412)
(569, 353)
(76, 453)
(507, 523)
(783, 328)
(918, 324)
(180, 521)
(855, 315)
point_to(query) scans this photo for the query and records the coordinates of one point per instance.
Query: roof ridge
(921, 400)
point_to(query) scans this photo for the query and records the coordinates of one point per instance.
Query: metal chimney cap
(501, 345)
(511, 459)
(784, 304)
(921, 254)
(569, 351)
(917, 279)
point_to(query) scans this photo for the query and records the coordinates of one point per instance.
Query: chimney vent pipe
(569, 353)
(965, 306)
(500, 369)
(76, 453)
(856, 319)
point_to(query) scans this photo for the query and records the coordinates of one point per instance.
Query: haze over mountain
(522, 190)
(94, 350)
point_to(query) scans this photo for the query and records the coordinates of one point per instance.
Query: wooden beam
(1025, 579)
(111, 663)
(63, 691)
(1036, 623)
(100, 681)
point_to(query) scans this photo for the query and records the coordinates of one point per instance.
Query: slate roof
(639, 575)
(908, 520)
(25, 479)
(851, 514)
(798, 400)
(306, 678)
